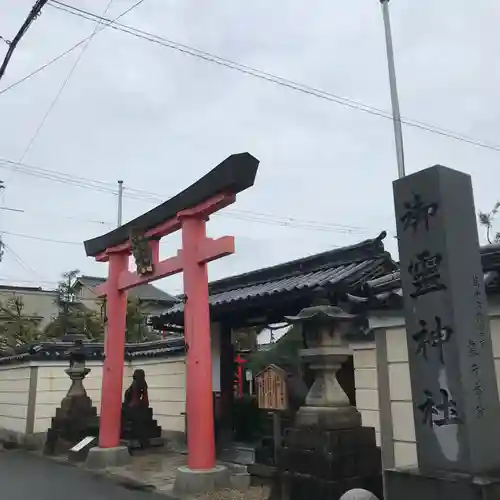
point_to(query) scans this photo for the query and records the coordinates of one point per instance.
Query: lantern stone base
(194, 482)
(323, 463)
(75, 419)
(325, 417)
(412, 484)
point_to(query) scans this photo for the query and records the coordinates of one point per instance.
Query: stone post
(452, 372)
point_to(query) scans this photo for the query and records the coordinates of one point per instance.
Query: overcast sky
(159, 119)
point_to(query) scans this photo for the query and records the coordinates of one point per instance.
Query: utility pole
(396, 116)
(34, 13)
(120, 203)
(2, 201)
(66, 294)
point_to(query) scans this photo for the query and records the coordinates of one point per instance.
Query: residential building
(154, 301)
(38, 304)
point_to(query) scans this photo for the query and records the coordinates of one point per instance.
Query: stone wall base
(411, 484)
(13, 439)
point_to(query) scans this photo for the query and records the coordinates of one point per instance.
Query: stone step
(135, 444)
(238, 454)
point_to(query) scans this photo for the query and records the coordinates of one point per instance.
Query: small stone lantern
(327, 452)
(323, 325)
(77, 370)
(76, 418)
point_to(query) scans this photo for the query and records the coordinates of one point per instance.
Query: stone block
(240, 481)
(102, 458)
(412, 484)
(358, 494)
(193, 482)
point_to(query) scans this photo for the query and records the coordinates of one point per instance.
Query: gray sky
(159, 120)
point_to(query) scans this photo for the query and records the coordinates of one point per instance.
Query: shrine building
(363, 279)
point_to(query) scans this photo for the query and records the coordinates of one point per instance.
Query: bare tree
(16, 327)
(486, 220)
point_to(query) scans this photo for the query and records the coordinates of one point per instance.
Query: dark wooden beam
(235, 174)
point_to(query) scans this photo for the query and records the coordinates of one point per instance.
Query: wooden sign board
(272, 390)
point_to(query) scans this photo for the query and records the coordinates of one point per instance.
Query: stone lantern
(76, 418)
(323, 325)
(77, 370)
(327, 452)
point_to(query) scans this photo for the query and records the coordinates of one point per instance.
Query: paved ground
(26, 476)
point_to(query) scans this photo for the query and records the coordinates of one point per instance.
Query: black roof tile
(346, 267)
(59, 351)
(389, 286)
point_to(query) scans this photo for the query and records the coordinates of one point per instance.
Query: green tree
(79, 321)
(72, 314)
(284, 351)
(136, 326)
(486, 220)
(16, 327)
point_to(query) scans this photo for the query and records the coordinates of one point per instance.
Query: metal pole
(120, 203)
(396, 116)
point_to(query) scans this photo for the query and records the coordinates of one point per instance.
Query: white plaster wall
(366, 380)
(166, 389)
(403, 427)
(53, 384)
(166, 380)
(165, 377)
(14, 392)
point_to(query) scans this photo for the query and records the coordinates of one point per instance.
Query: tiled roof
(59, 351)
(142, 292)
(388, 287)
(345, 268)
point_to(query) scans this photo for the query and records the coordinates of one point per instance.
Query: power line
(65, 82)
(20, 280)
(55, 216)
(33, 14)
(293, 85)
(53, 175)
(39, 238)
(66, 52)
(41, 68)
(252, 216)
(272, 78)
(21, 262)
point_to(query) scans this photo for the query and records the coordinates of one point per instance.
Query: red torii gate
(189, 212)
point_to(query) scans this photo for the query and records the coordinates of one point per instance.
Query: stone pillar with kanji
(453, 380)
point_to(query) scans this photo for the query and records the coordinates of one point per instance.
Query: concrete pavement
(24, 475)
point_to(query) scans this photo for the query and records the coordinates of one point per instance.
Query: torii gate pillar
(189, 212)
(199, 400)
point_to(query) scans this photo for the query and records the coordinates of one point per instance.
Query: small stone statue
(137, 394)
(139, 428)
